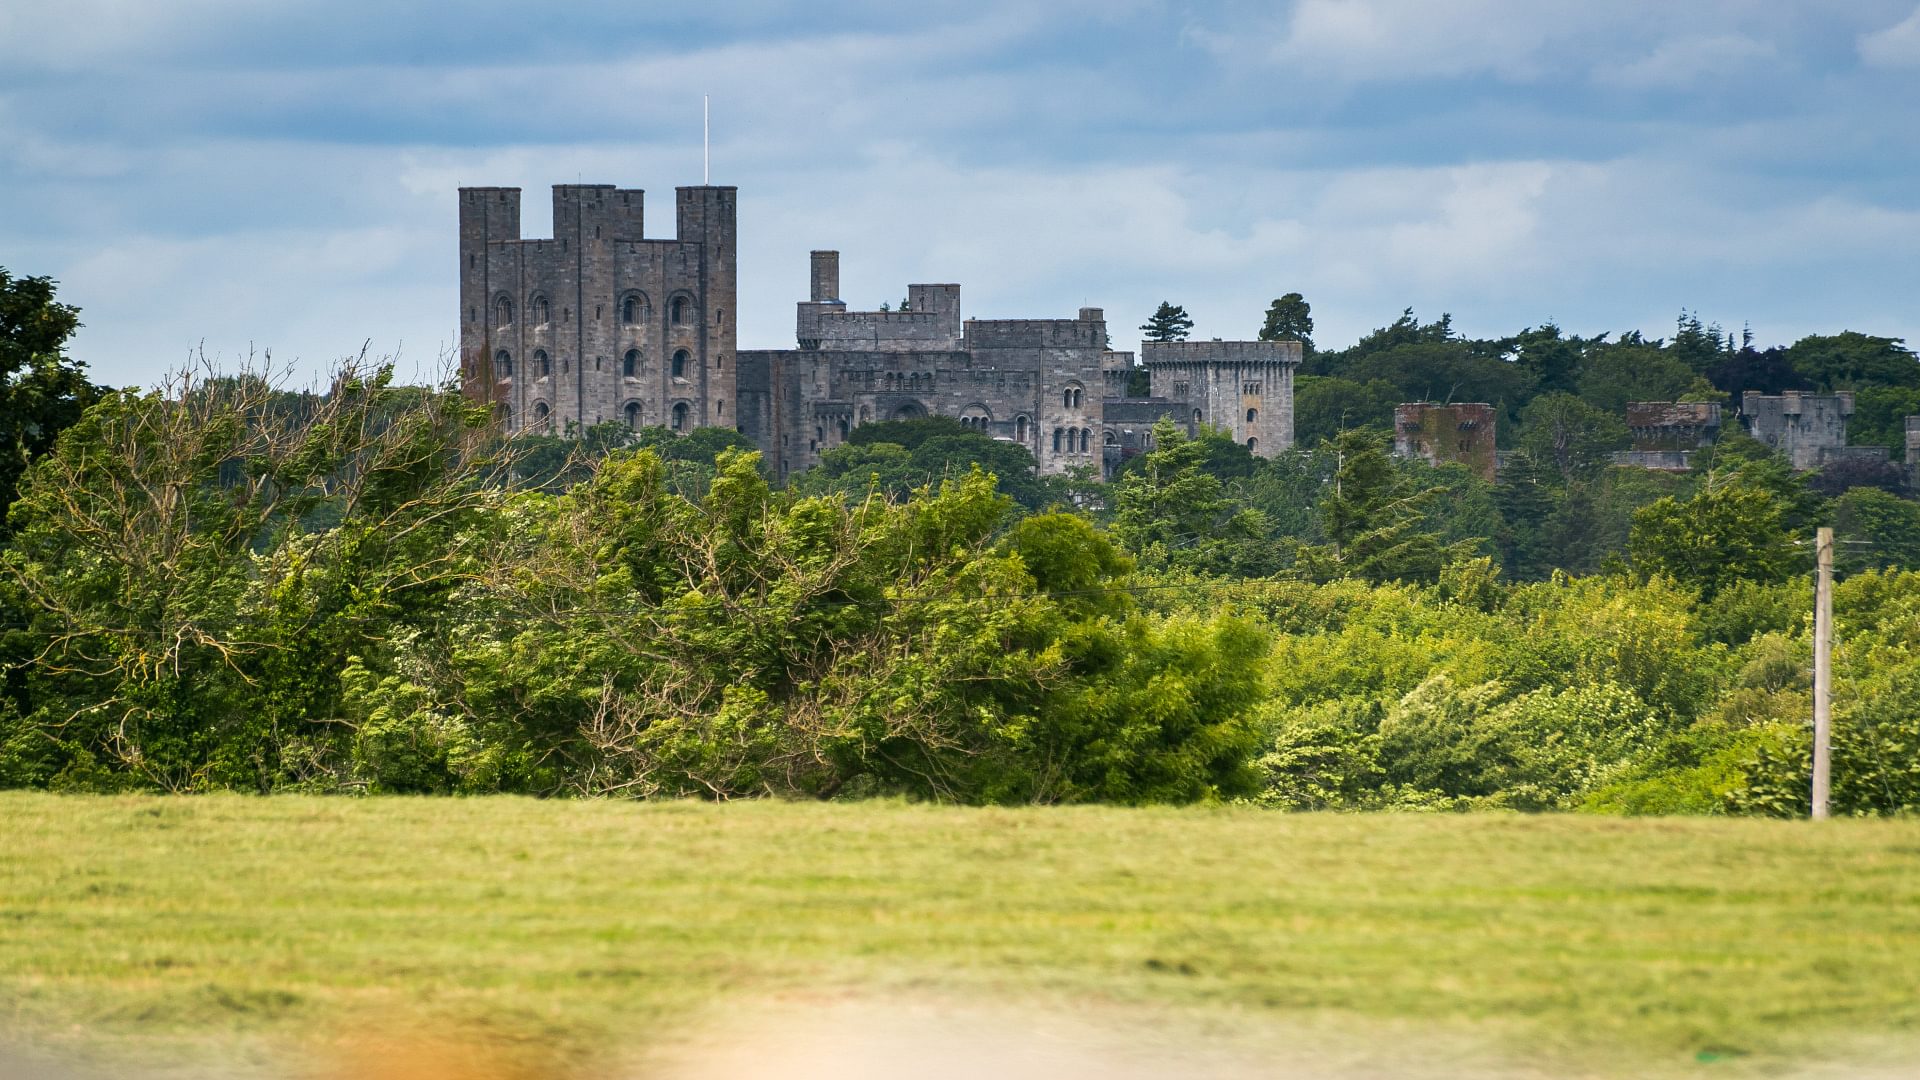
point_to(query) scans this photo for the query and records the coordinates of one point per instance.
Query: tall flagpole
(706, 142)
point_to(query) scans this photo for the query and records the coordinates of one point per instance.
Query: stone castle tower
(599, 323)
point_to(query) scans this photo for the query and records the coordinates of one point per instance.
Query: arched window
(542, 314)
(1020, 429)
(540, 417)
(1196, 418)
(678, 311)
(631, 311)
(633, 415)
(503, 312)
(866, 414)
(1056, 440)
(680, 358)
(843, 430)
(630, 364)
(1252, 415)
(1253, 444)
(503, 365)
(542, 367)
(1111, 439)
(1086, 439)
(680, 416)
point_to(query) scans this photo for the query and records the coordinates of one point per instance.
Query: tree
(898, 457)
(1169, 322)
(1574, 437)
(1854, 361)
(1375, 521)
(1733, 529)
(189, 627)
(1326, 405)
(1887, 526)
(1172, 513)
(42, 391)
(1290, 318)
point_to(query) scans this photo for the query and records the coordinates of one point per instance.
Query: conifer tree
(1170, 322)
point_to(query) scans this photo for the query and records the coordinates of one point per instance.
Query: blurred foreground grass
(147, 923)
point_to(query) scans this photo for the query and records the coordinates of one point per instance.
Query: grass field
(564, 931)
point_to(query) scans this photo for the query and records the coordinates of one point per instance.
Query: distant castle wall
(1810, 429)
(599, 323)
(1440, 434)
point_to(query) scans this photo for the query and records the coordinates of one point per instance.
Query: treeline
(219, 585)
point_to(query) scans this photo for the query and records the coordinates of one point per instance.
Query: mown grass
(147, 922)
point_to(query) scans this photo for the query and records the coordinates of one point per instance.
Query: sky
(242, 178)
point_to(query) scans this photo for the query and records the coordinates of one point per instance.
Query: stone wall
(1242, 387)
(1802, 426)
(1673, 425)
(599, 323)
(1439, 434)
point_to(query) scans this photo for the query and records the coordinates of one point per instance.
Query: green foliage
(1574, 437)
(1376, 521)
(1169, 322)
(1877, 530)
(1326, 405)
(1732, 529)
(42, 391)
(1879, 417)
(1171, 513)
(1289, 318)
(1634, 371)
(897, 457)
(1854, 361)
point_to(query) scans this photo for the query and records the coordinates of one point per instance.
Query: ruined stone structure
(1810, 429)
(1913, 452)
(1666, 433)
(1052, 385)
(599, 322)
(1439, 434)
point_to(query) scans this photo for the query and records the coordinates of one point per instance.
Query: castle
(645, 335)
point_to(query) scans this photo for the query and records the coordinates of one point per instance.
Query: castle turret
(826, 277)
(706, 216)
(487, 215)
(1242, 387)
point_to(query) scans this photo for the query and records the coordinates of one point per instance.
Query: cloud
(257, 176)
(1680, 62)
(1895, 46)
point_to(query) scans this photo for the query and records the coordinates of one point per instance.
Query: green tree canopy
(1289, 318)
(42, 391)
(1854, 361)
(1169, 322)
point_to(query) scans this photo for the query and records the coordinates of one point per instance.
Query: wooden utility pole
(1822, 668)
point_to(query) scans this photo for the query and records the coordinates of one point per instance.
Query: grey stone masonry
(1242, 387)
(599, 323)
(1913, 452)
(1807, 428)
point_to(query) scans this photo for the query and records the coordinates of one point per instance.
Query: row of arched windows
(909, 382)
(633, 310)
(629, 364)
(977, 423)
(1074, 440)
